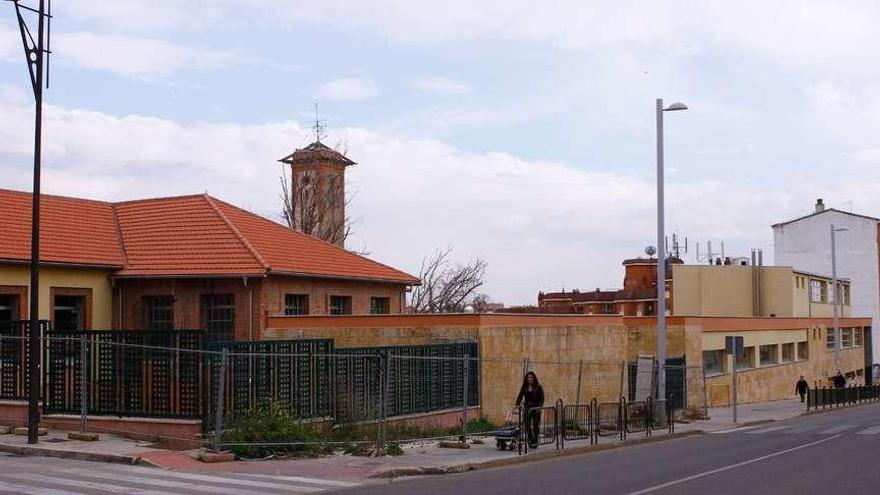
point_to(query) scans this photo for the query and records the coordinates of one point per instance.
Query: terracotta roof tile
(72, 230)
(180, 236)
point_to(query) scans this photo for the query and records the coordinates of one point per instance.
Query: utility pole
(34, 50)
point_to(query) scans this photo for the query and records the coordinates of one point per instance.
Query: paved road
(829, 453)
(48, 476)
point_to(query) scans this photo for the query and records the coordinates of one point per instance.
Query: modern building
(726, 290)
(180, 263)
(805, 243)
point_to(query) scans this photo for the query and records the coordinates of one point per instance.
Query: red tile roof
(181, 236)
(72, 231)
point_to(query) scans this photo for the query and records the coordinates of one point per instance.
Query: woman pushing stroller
(531, 396)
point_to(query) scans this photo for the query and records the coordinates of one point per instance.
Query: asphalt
(833, 453)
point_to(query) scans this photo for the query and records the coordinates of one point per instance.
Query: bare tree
(302, 210)
(446, 287)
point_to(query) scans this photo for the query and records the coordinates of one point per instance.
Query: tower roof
(317, 151)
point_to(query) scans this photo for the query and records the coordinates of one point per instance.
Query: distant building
(805, 243)
(722, 290)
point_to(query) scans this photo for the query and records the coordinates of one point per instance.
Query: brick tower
(316, 205)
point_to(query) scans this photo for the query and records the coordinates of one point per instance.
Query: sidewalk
(721, 418)
(418, 458)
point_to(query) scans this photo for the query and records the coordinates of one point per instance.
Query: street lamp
(835, 294)
(661, 252)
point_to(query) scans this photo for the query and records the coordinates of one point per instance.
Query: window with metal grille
(380, 306)
(219, 317)
(340, 305)
(159, 313)
(296, 304)
(857, 337)
(846, 339)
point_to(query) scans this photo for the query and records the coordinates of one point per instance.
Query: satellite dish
(650, 250)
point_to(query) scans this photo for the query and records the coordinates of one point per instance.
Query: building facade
(189, 262)
(805, 243)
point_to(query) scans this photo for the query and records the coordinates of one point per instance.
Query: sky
(521, 132)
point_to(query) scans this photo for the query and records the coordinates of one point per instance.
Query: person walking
(801, 388)
(531, 396)
(839, 380)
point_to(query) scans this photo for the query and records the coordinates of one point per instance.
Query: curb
(399, 472)
(27, 450)
(835, 409)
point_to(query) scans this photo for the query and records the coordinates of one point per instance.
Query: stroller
(508, 436)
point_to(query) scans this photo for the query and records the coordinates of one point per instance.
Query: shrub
(270, 423)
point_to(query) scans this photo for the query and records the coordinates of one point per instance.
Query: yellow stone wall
(554, 353)
(79, 278)
(560, 353)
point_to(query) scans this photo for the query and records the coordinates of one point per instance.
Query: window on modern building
(829, 339)
(769, 354)
(219, 317)
(747, 360)
(158, 313)
(714, 362)
(844, 292)
(649, 308)
(803, 351)
(608, 308)
(846, 339)
(818, 291)
(296, 304)
(69, 313)
(340, 305)
(788, 352)
(857, 337)
(380, 305)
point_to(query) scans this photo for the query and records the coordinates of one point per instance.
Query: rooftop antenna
(34, 52)
(318, 127)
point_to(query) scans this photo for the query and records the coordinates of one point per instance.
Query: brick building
(181, 262)
(638, 296)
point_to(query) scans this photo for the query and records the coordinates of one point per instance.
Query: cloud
(138, 56)
(442, 86)
(10, 43)
(539, 223)
(347, 89)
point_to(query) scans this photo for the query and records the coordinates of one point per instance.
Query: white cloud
(539, 223)
(10, 43)
(138, 56)
(347, 89)
(442, 86)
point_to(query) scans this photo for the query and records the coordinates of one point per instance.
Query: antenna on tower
(318, 127)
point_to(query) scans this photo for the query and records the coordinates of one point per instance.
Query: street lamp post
(835, 293)
(661, 252)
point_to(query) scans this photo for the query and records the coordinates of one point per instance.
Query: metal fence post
(580, 376)
(84, 383)
(385, 383)
(221, 389)
(465, 394)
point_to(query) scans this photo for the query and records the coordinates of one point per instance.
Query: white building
(805, 244)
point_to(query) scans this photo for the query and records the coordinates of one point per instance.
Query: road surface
(834, 453)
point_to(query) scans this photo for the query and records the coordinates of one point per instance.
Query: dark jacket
(801, 387)
(532, 398)
(839, 381)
